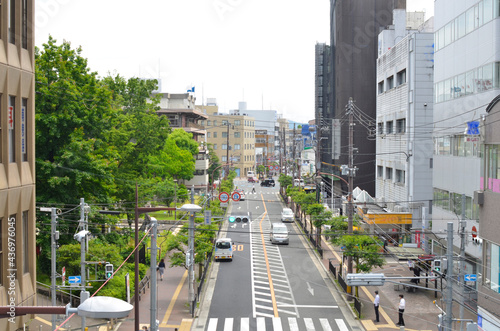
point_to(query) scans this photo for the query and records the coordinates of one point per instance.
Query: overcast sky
(257, 51)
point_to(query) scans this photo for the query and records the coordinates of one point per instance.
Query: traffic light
(245, 218)
(436, 265)
(109, 270)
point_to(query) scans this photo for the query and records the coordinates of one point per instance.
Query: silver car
(287, 215)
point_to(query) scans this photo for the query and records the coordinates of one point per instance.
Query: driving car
(224, 249)
(287, 215)
(242, 194)
(267, 182)
(279, 234)
(252, 179)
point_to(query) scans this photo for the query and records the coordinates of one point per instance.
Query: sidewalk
(420, 313)
(172, 297)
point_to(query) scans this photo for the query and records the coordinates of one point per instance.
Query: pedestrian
(376, 303)
(401, 308)
(161, 268)
(145, 328)
(253, 188)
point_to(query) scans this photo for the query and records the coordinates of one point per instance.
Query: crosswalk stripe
(277, 324)
(341, 324)
(228, 326)
(212, 324)
(309, 324)
(324, 323)
(294, 326)
(261, 324)
(245, 324)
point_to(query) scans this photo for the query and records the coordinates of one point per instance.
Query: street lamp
(191, 208)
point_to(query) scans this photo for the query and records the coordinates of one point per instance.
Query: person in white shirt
(401, 308)
(376, 304)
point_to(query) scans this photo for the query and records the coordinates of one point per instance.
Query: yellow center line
(174, 298)
(271, 287)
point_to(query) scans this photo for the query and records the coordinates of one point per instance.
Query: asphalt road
(268, 286)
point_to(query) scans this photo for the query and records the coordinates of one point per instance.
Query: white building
(404, 120)
(466, 76)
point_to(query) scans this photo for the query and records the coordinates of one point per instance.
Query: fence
(357, 306)
(342, 283)
(332, 268)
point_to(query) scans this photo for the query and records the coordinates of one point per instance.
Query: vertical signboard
(336, 143)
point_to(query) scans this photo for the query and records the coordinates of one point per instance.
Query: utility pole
(83, 244)
(190, 256)
(293, 154)
(447, 319)
(55, 237)
(136, 262)
(351, 178)
(227, 148)
(461, 261)
(152, 323)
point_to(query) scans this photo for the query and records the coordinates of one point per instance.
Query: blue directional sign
(75, 279)
(470, 278)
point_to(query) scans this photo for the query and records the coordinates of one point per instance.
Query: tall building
(466, 80)
(404, 122)
(182, 113)
(355, 26)
(17, 158)
(233, 139)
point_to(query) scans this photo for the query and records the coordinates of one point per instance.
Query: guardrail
(143, 285)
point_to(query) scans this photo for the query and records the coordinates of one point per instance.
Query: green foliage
(285, 180)
(214, 165)
(365, 251)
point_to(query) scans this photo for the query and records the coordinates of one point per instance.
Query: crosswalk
(276, 324)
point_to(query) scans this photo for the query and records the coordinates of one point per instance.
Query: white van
(224, 249)
(279, 234)
(287, 215)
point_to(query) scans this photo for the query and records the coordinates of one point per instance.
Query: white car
(287, 215)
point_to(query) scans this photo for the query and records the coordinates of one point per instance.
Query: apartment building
(17, 159)
(404, 121)
(182, 113)
(233, 139)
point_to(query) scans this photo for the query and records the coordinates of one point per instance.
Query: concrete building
(265, 121)
(488, 199)
(466, 79)
(233, 139)
(355, 26)
(17, 159)
(182, 113)
(404, 121)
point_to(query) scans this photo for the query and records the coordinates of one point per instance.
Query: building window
(389, 127)
(215, 122)
(224, 134)
(380, 128)
(237, 146)
(12, 22)
(225, 122)
(381, 87)
(209, 134)
(11, 124)
(390, 83)
(209, 123)
(25, 24)
(237, 134)
(215, 134)
(224, 147)
(215, 147)
(237, 122)
(24, 141)
(388, 173)
(401, 77)
(26, 253)
(401, 125)
(400, 176)
(380, 171)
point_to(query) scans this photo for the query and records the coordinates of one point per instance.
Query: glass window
(26, 252)
(469, 82)
(11, 124)
(440, 92)
(460, 85)
(215, 147)
(388, 173)
(496, 8)
(224, 147)
(460, 26)
(237, 134)
(478, 80)
(24, 141)
(487, 83)
(487, 10)
(390, 83)
(237, 122)
(380, 128)
(401, 77)
(25, 24)
(209, 123)
(389, 127)
(400, 176)
(469, 20)
(380, 171)
(12, 22)
(448, 33)
(224, 158)
(215, 122)
(209, 134)
(496, 75)
(237, 146)
(380, 87)
(478, 13)
(224, 134)
(224, 122)
(440, 34)
(401, 125)
(215, 134)
(447, 89)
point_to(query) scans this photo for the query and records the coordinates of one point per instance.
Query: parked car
(253, 179)
(267, 182)
(242, 194)
(287, 215)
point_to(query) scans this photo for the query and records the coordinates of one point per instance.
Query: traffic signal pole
(447, 320)
(153, 302)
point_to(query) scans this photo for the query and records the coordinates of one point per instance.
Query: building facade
(17, 159)
(404, 121)
(233, 139)
(182, 114)
(355, 26)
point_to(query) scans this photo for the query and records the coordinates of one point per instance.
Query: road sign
(74, 279)
(470, 278)
(223, 197)
(236, 196)
(208, 217)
